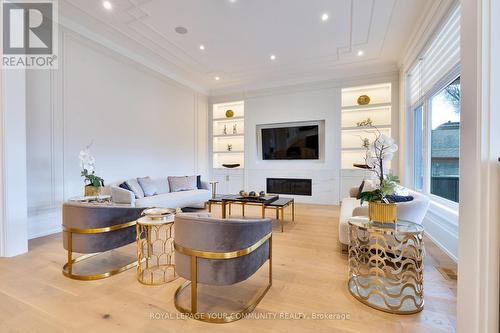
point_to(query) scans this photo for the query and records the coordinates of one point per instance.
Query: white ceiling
(240, 36)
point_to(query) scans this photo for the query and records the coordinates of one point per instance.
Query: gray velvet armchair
(92, 229)
(220, 252)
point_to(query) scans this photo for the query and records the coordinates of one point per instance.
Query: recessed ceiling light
(181, 30)
(360, 53)
(324, 17)
(202, 47)
(217, 78)
(272, 57)
(232, 1)
(107, 5)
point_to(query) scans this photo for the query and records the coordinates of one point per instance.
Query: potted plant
(381, 208)
(93, 183)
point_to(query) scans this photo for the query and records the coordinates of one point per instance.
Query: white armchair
(413, 211)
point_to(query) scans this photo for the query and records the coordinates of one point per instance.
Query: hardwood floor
(309, 270)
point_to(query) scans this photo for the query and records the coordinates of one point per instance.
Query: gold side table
(386, 265)
(155, 250)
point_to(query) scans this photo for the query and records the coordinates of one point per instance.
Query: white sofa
(164, 198)
(413, 211)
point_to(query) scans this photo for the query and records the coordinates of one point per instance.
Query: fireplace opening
(292, 186)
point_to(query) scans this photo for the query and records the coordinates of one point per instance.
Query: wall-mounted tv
(290, 143)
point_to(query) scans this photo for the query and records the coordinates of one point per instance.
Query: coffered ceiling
(239, 36)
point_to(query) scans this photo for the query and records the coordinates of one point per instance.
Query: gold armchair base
(68, 267)
(219, 318)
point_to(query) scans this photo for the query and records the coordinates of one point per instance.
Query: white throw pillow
(134, 186)
(183, 183)
(148, 186)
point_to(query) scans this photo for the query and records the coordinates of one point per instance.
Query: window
(434, 105)
(445, 141)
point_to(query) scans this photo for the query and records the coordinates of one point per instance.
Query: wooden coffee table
(278, 204)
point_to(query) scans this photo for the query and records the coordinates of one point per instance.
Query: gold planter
(382, 212)
(92, 191)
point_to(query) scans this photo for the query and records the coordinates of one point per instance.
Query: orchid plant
(378, 155)
(87, 163)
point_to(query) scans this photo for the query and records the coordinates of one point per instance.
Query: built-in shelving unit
(228, 146)
(379, 110)
(228, 134)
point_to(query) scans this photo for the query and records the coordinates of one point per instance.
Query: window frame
(425, 102)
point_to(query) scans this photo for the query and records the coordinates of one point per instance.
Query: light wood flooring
(310, 274)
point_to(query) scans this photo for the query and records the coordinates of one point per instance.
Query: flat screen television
(290, 143)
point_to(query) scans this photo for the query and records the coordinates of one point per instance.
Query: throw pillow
(124, 186)
(399, 198)
(134, 186)
(161, 184)
(183, 183)
(148, 186)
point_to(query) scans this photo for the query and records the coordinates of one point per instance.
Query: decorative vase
(382, 212)
(92, 191)
(229, 113)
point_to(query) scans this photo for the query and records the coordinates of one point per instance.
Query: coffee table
(270, 202)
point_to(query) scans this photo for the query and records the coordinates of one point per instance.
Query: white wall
(140, 122)
(321, 104)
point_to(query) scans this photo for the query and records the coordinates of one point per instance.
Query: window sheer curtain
(438, 58)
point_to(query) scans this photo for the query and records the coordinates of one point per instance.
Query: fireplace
(293, 186)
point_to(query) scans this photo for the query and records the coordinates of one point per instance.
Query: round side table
(155, 250)
(386, 265)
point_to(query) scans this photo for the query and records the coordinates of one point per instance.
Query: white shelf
(225, 119)
(353, 149)
(368, 107)
(365, 129)
(229, 135)
(229, 152)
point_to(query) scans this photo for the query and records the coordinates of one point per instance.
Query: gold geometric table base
(386, 265)
(155, 251)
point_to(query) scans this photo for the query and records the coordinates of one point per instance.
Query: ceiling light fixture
(107, 5)
(217, 78)
(272, 57)
(324, 17)
(360, 53)
(202, 47)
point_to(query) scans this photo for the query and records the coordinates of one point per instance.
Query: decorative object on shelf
(366, 143)
(252, 194)
(235, 129)
(225, 130)
(361, 166)
(231, 166)
(378, 154)
(243, 193)
(229, 147)
(262, 194)
(229, 113)
(92, 182)
(366, 122)
(364, 100)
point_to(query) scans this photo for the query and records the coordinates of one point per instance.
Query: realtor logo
(29, 34)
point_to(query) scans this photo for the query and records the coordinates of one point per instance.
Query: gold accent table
(386, 265)
(155, 250)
